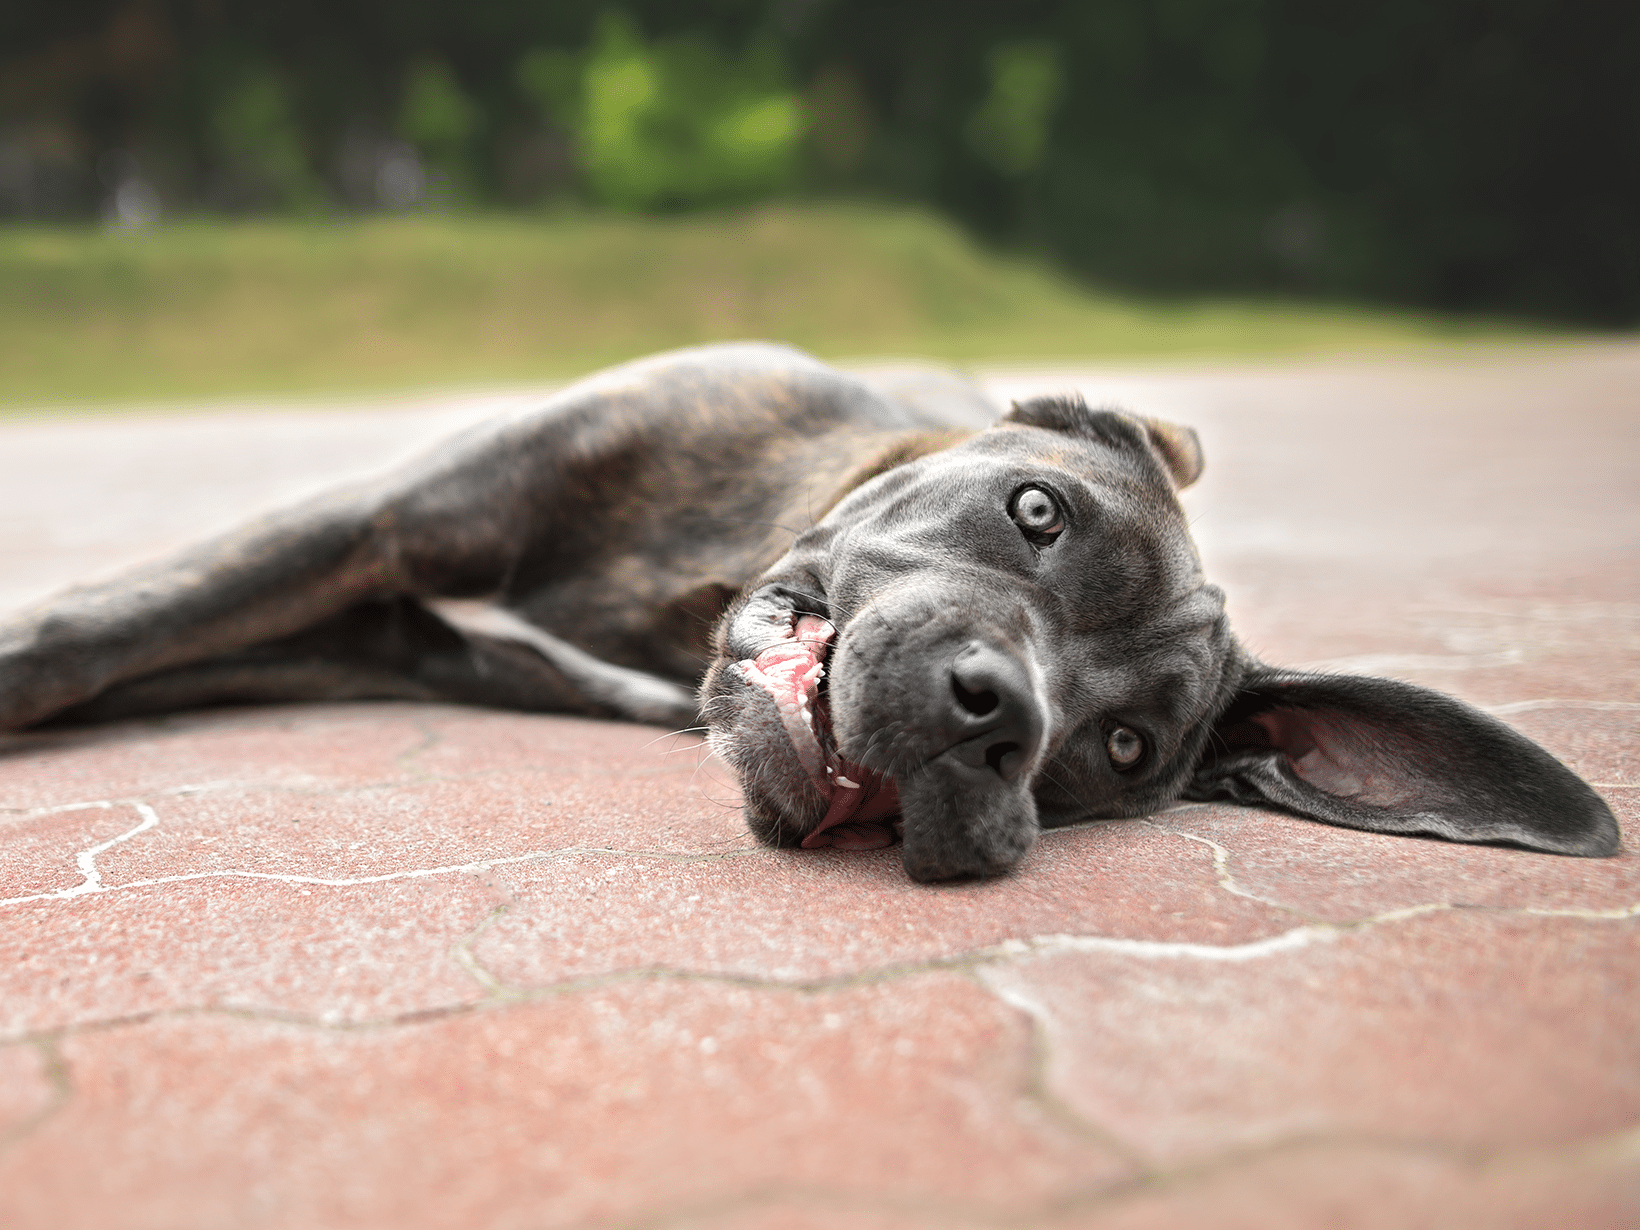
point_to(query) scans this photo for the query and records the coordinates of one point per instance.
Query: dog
(910, 617)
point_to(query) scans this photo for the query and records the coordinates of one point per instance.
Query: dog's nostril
(978, 703)
(997, 754)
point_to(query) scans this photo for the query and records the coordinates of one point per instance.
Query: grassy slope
(209, 308)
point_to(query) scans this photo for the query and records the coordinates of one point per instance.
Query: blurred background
(207, 197)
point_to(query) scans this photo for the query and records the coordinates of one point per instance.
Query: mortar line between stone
(95, 887)
(1039, 1088)
(1225, 876)
(1620, 1145)
(55, 1070)
(461, 952)
(1613, 1147)
(973, 960)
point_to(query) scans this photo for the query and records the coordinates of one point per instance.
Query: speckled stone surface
(418, 966)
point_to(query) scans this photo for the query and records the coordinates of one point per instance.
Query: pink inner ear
(1343, 755)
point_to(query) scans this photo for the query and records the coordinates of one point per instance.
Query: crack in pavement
(1039, 1088)
(431, 737)
(1602, 1150)
(92, 884)
(58, 1081)
(1315, 930)
(461, 952)
(1222, 856)
(418, 873)
(1607, 1149)
(973, 961)
(1221, 864)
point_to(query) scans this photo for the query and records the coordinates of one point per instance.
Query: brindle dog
(962, 635)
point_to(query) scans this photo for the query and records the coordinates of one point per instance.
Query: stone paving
(416, 966)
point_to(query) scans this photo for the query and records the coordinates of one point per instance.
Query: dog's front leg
(273, 577)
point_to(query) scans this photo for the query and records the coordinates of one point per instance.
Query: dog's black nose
(994, 721)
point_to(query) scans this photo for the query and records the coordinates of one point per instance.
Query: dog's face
(1015, 632)
(1011, 632)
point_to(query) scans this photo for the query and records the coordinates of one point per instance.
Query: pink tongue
(859, 819)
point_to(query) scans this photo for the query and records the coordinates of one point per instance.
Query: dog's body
(922, 621)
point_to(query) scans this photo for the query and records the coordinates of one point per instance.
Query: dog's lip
(789, 669)
(861, 803)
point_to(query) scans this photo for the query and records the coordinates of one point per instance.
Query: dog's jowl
(926, 620)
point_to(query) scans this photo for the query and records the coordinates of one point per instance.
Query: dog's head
(1014, 632)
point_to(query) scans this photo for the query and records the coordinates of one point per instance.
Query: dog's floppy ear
(1395, 758)
(1176, 448)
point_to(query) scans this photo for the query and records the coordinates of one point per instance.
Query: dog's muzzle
(955, 713)
(915, 720)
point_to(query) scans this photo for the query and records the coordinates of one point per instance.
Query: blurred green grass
(199, 309)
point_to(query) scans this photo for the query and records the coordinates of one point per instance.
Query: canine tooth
(843, 781)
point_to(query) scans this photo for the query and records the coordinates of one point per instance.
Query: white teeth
(843, 781)
(789, 670)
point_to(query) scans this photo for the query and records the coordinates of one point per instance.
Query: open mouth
(862, 804)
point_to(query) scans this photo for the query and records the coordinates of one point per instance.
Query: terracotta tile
(469, 741)
(329, 953)
(817, 1212)
(1471, 1028)
(38, 852)
(1343, 1188)
(412, 826)
(805, 915)
(27, 1091)
(1487, 649)
(1601, 745)
(295, 746)
(1342, 875)
(611, 1104)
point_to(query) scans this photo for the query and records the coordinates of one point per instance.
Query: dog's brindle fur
(997, 671)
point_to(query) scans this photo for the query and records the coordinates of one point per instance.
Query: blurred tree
(672, 123)
(1463, 153)
(440, 121)
(1009, 131)
(255, 133)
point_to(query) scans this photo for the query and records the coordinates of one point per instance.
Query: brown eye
(1037, 515)
(1124, 747)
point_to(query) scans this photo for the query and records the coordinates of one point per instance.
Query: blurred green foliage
(1471, 154)
(440, 120)
(1009, 130)
(254, 128)
(673, 123)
